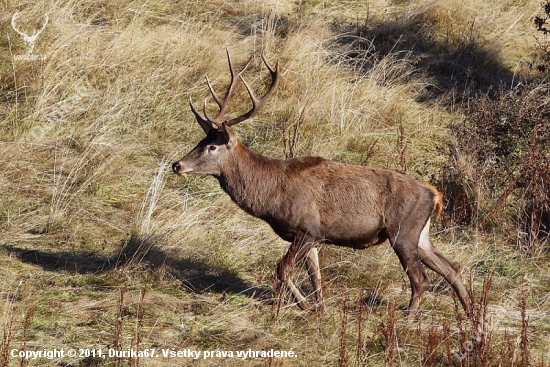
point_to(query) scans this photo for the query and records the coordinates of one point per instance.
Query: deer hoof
(316, 307)
(319, 307)
(305, 305)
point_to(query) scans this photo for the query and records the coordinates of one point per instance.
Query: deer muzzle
(180, 169)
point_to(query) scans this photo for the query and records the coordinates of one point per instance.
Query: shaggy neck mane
(252, 181)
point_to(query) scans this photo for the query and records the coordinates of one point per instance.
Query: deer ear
(229, 135)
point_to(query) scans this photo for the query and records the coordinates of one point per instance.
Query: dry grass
(103, 247)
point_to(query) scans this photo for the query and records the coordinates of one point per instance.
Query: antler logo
(30, 40)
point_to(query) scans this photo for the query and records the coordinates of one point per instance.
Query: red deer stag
(310, 200)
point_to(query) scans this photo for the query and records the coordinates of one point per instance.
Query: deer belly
(356, 234)
(361, 243)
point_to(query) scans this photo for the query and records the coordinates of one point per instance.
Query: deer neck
(251, 180)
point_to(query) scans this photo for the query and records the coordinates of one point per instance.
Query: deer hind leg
(299, 248)
(448, 269)
(410, 260)
(312, 263)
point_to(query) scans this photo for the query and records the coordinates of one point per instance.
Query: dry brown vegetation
(102, 247)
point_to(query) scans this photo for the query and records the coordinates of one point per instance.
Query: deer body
(310, 200)
(338, 203)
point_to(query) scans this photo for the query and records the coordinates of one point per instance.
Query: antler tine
(258, 103)
(222, 102)
(213, 121)
(234, 76)
(204, 123)
(218, 100)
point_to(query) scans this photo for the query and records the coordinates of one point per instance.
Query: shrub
(498, 168)
(541, 22)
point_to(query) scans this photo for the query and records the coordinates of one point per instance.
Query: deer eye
(212, 147)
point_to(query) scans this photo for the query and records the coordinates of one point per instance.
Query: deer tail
(438, 198)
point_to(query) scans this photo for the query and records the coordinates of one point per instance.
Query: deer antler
(208, 122)
(258, 103)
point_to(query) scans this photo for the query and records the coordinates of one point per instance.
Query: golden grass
(89, 209)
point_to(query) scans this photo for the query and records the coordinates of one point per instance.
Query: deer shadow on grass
(196, 275)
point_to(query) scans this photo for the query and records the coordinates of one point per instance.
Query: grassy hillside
(103, 247)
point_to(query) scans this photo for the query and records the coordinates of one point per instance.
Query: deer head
(210, 154)
(30, 40)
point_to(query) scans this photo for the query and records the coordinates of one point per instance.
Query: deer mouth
(183, 173)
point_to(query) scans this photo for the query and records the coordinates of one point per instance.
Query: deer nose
(176, 167)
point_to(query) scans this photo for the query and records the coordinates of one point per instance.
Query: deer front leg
(298, 249)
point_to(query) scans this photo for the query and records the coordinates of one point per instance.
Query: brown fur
(438, 199)
(310, 200)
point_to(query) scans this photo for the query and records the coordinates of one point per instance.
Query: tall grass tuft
(390, 335)
(7, 325)
(343, 358)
